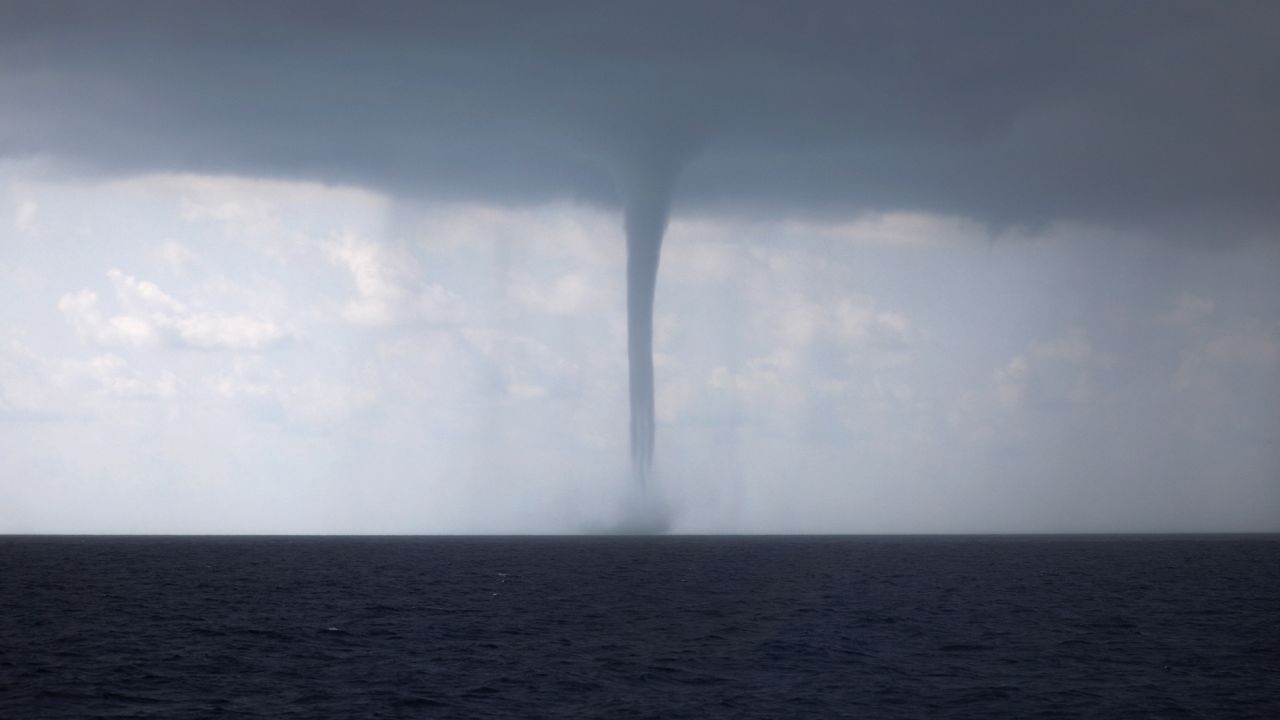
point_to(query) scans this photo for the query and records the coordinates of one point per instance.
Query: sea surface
(640, 627)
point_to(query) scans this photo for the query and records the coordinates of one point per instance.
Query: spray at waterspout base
(643, 512)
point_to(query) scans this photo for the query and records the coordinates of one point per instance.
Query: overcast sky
(930, 267)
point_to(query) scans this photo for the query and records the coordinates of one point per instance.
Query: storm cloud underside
(1000, 111)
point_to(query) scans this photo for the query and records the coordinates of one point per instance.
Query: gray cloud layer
(1149, 115)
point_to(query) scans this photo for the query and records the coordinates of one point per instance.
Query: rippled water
(640, 627)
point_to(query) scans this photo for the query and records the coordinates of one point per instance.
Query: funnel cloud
(647, 189)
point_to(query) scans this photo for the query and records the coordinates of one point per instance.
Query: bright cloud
(153, 315)
(24, 217)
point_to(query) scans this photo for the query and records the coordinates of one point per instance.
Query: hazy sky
(931, 266)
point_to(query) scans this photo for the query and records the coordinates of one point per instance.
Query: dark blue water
(663, 627)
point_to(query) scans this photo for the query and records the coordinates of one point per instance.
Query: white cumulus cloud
(152, 315)
(24, 217)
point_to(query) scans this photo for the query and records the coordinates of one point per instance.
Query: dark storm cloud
(1109, 112)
